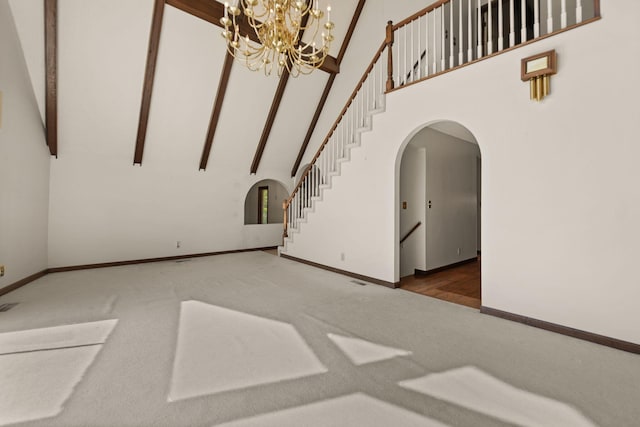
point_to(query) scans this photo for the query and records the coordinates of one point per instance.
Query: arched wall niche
(253, 207)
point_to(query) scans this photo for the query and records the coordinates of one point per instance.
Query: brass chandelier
(278, 25)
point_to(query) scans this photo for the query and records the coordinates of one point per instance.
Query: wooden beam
(327, 88)
(51, 66)
(217, 108)
(211, 11)
(275, 105)
(350, 31)
(152, 57)
(314, 123)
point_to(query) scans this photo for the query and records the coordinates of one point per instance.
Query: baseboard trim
(445, 267)
(343, 272)
(21, 283)
(564, 330)
(148, 260)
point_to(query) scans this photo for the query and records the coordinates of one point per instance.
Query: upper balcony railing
(453, 33)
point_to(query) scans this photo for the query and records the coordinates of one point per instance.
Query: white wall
(413, 182)
(103, 208)
(24, 163)
(560, 193)
(451, 222)
(29, 20)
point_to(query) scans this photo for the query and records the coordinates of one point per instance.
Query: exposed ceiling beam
(51, 66)
(328, 86)
(211, 11)
(275, 106)
(152, 57)
(217, 108)
(314, 122)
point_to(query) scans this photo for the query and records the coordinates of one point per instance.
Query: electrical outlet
(1, 270)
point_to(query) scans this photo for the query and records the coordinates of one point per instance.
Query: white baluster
(578, 11)
(523, 16)
(512, 25)
(490, 28)
(345, 129)
(406, 56)
(420, 47)
(443, 38)
(451, 36)
(460, 34)
(563, 14)
(426, 44)
(549, 17)
(470, 32)
(435, 49)
(479, 29)
(500, 27)
(413, 77)
(536, 19)
(371, 102)
(363, 107)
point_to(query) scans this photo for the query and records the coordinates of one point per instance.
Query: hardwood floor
(460, 285)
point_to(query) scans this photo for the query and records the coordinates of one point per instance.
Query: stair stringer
(368, 127)
(344, 204)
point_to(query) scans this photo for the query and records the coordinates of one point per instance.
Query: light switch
(404, 205)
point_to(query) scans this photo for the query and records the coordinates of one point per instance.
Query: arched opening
(263, 204)
(439, 213)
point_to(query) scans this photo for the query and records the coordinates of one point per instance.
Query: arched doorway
(439, 213)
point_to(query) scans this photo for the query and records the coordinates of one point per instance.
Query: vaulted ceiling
(150, 81)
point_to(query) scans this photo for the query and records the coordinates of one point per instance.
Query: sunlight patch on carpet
(354, 410)
(39, 368)
(221, 350)
(56, 337)
(476, 390)
(360, 351)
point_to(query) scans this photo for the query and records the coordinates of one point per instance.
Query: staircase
(355, 119)
(444, 36)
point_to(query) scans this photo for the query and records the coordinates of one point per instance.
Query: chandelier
(278, 25)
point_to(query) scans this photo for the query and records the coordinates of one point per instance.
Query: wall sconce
(537, 69)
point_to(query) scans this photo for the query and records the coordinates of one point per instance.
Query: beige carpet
(252, 339)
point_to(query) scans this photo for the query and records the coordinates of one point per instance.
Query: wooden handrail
(419, 14)
(337, 122)
(415, 227)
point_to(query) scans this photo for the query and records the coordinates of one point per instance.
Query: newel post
(389, 42)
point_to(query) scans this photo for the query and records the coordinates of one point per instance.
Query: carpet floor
(250, 339)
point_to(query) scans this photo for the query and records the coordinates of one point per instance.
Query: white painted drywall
(103, 208)
(413, 182)
(24, 163)
(560, 193)
(451, 187)
(29, 20)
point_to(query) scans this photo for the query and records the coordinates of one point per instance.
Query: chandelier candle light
(279, 25)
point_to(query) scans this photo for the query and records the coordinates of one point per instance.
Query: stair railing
(446, 35)
(355, 117)
(406, 236)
